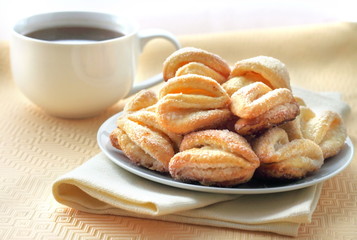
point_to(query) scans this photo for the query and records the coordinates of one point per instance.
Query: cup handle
(145, 36)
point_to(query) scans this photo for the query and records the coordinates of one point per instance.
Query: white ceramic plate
(331, 167)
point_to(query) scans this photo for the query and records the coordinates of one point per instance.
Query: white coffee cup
(79, 78)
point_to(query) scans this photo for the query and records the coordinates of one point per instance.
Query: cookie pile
(221, 126)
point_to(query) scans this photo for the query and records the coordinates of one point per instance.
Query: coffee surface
(74, 33)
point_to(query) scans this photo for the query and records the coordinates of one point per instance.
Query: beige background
(36, 148)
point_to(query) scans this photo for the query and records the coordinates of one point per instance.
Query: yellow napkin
(99, 186)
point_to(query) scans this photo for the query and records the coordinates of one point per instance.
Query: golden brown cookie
(267, 70)
(259, 107)
(260, 92)
(325, 129)
(144, 141)
(191, 102)
(214, 157)
(283, 159)
(196, 61)
(141, 100)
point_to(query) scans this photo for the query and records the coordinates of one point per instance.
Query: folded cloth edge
(279, 226)
(75, 185)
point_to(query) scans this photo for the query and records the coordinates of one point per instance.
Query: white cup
(79, 78)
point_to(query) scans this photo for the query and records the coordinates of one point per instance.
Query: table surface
(36, 148)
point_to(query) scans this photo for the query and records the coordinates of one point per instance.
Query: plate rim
(156, 177)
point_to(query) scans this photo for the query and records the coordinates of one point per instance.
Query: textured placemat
(36, 148)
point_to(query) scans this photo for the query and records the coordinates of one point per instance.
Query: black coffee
(74, 33)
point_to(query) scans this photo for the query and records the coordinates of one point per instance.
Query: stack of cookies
(222, 126)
